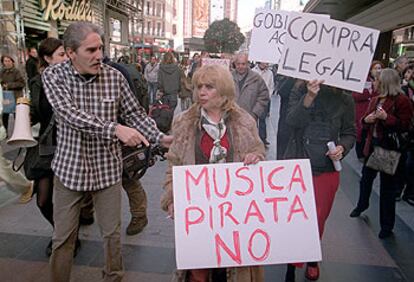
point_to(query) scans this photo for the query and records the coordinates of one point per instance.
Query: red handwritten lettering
(267, 246)
(298, 179)
(197, 220)
(236, 255)
(300, 209)
(227, 189)
(247, 179)
(227, 213)
(275, 202)
(188, 175)
(261, 179)
(257, 213)
(270, 179)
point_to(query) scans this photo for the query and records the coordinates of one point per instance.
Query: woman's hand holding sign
(313, 89)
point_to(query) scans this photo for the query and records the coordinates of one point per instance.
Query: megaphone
(22, 132)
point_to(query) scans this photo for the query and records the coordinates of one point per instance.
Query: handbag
(9, 102)
(384, 160)
(38, 159)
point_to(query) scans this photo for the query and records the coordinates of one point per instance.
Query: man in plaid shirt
(88, 99)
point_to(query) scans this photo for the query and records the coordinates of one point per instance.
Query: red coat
(362, 102)
(399, 114)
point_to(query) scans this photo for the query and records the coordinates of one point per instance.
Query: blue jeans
(152, 91)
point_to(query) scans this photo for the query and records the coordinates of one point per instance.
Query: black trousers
(388, 188)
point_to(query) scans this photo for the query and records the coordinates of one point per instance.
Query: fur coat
(245, 139)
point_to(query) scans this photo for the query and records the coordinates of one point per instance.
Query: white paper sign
(235, 215)
(269, 35)
(319, 48)
(212, 61)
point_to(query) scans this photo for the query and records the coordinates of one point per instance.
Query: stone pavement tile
(14, 245)
(13, 270)
(340, 272)
(347, 240)
(147, 277)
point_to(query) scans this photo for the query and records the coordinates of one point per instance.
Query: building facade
(49, 18)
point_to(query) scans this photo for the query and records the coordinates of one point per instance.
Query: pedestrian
(88, 98)
(318, 114)
(400, 64)
(51, 52)
(15, 180)
(195, 63)
(151, 75)
(169, 80)
(361, 104)
(213, 130)
(32, 64)
(186, 93)
(137, 198)
(252, 94)
(11, 80)
(390, 112)
(284, 87)
(264, 71)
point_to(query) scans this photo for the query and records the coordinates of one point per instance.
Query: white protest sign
(213, 61)
(269, 35)
(235, 215)
(319, 48)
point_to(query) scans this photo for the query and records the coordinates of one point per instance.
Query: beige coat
(245, 139)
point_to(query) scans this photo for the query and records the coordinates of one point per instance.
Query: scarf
(216, 131)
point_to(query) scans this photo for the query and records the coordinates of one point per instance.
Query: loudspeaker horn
(22, 132)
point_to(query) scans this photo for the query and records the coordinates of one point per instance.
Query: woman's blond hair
(390, 84)
(221, 79)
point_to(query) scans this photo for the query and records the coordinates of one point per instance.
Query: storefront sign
(79, 10)
(235, 215)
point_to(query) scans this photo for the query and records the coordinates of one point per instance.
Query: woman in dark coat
(12, 80)
(169, 80)
(316, 115)
(390, 112)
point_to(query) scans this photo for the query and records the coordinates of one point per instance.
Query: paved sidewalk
(351, 249)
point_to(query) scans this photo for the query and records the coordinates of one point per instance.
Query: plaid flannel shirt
(88, 154)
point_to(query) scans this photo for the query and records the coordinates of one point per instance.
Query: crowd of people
(90, 108)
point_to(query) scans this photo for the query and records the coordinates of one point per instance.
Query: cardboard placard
(319, 48)
(235, 215)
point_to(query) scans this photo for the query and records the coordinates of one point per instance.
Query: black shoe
(290, 273)
(385, 234)
(77, 248)
(409, 200)
(49, 249)
(355, 213)
(86, 221)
